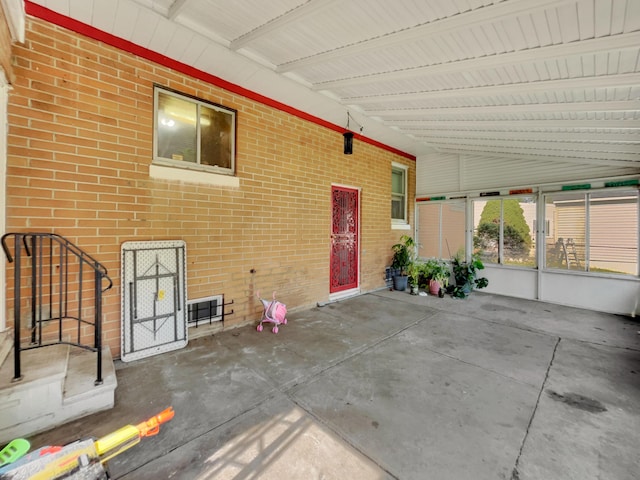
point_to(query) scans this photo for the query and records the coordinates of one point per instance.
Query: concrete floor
(390, 386)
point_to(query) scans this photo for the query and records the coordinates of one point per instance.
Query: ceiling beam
(615, 150)
(176, 7)
(547, 158)
(293, 15)
(568, 107)
(621, 41)
(515, 124)
(630, 159)
(420, 32)
(196, 27)
(596, 82)
(583, 137)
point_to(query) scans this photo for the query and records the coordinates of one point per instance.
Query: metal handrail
(50, 299)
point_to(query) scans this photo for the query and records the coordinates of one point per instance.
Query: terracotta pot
(434, 287)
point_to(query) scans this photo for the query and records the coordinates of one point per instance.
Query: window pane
(504, 230)
(518, 233)
(566, 247)
(613, 232)
(397, 207)
(397, 181)
(486, 226)
(215, 137)
(429, 229)
(176, 128)
(398, 198)
(453, 229)
(441, 229)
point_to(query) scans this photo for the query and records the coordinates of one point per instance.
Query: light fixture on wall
(348, 143)
(348, 136)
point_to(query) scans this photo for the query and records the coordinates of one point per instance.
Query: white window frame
(501, 252)
(401, 223)
(588, 205)
(442, 246)
(160, 162)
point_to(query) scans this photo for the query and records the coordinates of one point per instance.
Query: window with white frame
(504, 231)
(193, 133)
(399, 194)
(595, 231)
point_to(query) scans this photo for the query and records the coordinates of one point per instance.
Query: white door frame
(4, 99)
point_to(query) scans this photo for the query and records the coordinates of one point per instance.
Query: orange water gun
(126, 437)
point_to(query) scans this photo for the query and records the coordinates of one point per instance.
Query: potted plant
(415, 270)
(465, 274)
(403, 256)
(438, 273)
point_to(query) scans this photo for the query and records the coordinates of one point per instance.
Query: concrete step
(57, 386)
(81, 396)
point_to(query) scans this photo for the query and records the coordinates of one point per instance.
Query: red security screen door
(344, 239)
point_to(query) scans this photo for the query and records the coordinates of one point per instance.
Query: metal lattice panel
(154, 306)
(344, 239)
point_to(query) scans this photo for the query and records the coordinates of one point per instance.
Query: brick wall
(80, 147)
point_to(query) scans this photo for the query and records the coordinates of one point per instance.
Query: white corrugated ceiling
(529, 79)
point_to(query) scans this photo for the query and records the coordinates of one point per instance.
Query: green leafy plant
(438, 270)
(403, 254)
(465, 274)
(415, 271)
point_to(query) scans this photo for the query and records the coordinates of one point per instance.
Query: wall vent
(205, 310)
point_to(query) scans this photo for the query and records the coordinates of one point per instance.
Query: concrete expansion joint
(515, 475)
(287, 387)
(601, 344)
(288, 390)
(345, 439)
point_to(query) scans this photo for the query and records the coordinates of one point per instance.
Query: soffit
(514, 78)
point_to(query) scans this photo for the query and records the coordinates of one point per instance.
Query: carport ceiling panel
(154, 305)
(455, 62)
(324, 27)
(229, 22)
(424, 42)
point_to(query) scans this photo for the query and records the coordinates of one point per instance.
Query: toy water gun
(14, 450)
(83, 459)
(126, 437)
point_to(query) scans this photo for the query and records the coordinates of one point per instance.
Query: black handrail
(57, 265)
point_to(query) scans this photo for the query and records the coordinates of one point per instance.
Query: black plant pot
(400, 282)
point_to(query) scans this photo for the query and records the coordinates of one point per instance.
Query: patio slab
(422, 414)
(588, 417)
(276, 440)
(389, 385)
